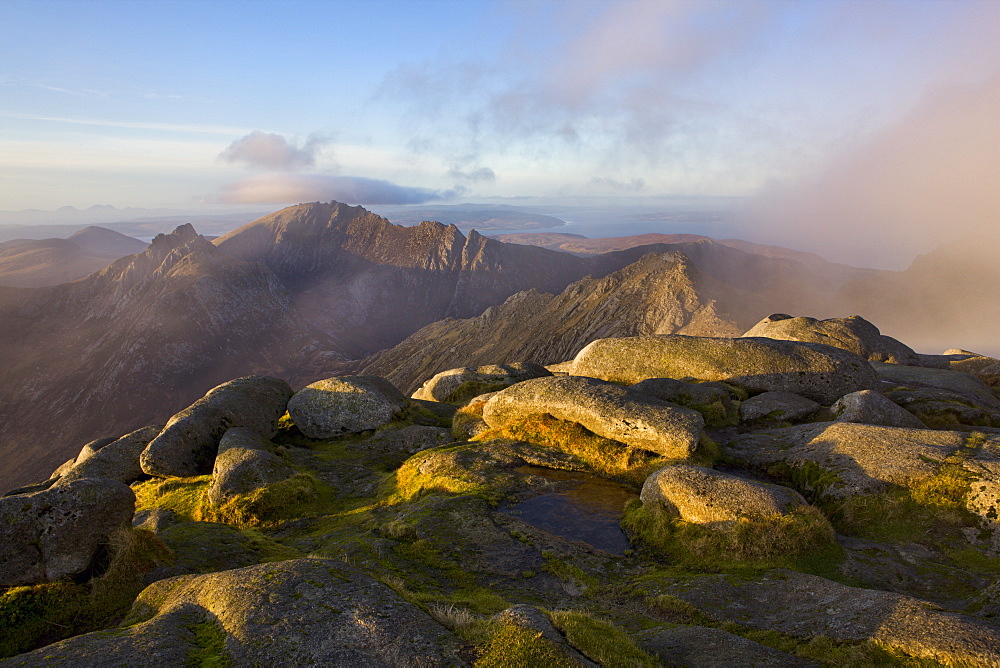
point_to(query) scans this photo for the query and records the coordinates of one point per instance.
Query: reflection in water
(590, 511)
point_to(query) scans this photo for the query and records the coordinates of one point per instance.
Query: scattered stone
(713, 498)
(805, 606)
(187, 445)
(55, 533)
(345, 405)
(244, 463)
(606, 409)
(155, 519)
(118, 460)
(870, 407)
(460, 385)
(821, 373)
(778, 406)
(704, 647)
(854, 334)
(843, 459)
(298, 612)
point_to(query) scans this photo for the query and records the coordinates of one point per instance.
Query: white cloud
(264, 150)
(296, 188)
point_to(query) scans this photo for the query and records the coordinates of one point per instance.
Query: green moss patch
(511, 646)
(802, 539)
(601, 641)
(209, 648)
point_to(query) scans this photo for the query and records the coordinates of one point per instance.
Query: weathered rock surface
(345, 405)
(984, 499)
(244, 463)
(56, 532)
(712, 400)
(187, 445)
(606, 409)
(90, 448)
(806, 605)
(854, 334)
(118, 460)
(777, 406)
(704, 647)
(407, 440)
(457, 385)
(299, 612)
(870, 407)
(849, 459)
(713, 498)
(819, 372)
(944, 379)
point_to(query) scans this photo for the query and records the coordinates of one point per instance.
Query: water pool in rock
(590, 511)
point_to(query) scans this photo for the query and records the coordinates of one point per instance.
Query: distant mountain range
(31, 263)
(320, 289)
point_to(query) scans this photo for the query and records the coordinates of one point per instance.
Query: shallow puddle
(590, 511)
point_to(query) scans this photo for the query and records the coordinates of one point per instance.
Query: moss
(209, 649)
(810, 478)
(298, 496)
(511, 646)
(718, 414)
(566, 571)
(36, 615)
(184, 496)
(600, 641)
(473, 388)
(802, 539)
(604, 456)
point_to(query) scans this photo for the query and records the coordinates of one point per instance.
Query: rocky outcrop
(301, 612)
(345, 405)
(244, 463)
(57, 532)
(715, 499)
(870, 407)
(713, 400)
(819, 372)
(462, 384)
(605, 409)
(188, 444)
(117, 460)
(778, 406)
(844, 459)
(854, 334)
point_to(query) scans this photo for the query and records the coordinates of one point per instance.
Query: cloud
(479, 174)
(264, 150)
(931, 177)
(295, 188)
(632, 185)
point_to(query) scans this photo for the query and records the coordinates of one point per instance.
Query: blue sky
(259, 104)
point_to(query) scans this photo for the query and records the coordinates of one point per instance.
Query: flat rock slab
(865, 458)
(870, 407)
(54, 533)
(298, 612)
(345, 405)
(821, 373)
(777, 406)
(713, 498)
(954, 381)
(704, 647)
(806, 605)
(188, 444)
(606, 409)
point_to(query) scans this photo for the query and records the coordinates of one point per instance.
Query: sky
(835, 113)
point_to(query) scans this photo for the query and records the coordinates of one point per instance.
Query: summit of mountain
(32, 263)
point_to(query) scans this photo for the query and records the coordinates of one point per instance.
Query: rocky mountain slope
(29, 263)
(701, 288)
(660, 500)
